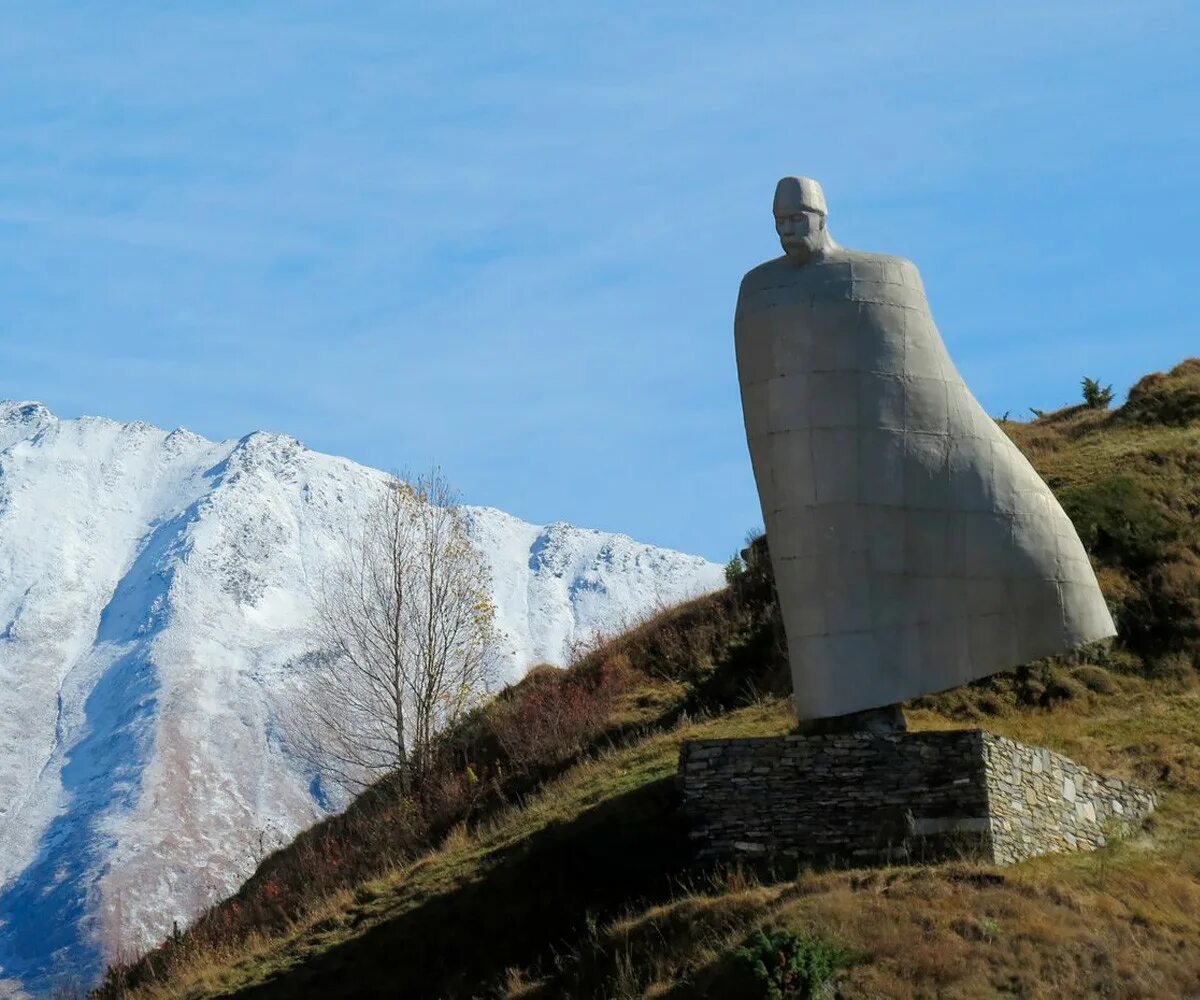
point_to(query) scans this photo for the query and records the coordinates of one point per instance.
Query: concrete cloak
(914, 547)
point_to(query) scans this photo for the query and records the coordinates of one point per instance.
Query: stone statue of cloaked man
(914, 547)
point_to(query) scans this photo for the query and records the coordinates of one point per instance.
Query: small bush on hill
(1095, 678)
(1096, 396)
(1118, 521)
(555, 714)
(790, 966)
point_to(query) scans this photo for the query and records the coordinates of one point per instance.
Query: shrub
(1118, 522)
(678, 644)
(788, 965)
(556, 715)
(1095, 678)
(1172, 667)
(1062, 686)
(446, 796)
(1095, 396)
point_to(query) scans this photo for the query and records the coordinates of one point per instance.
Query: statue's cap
(800, 191)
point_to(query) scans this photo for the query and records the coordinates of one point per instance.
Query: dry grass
(212, 970)
(964, 931)
(462, 860)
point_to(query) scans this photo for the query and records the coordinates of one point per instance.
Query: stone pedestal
(870, 798)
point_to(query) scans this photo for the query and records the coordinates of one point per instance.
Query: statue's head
(800, 215)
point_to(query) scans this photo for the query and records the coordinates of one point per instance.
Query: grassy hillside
(548, 859)
(1130, 480)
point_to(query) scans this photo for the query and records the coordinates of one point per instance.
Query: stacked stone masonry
(900, 797)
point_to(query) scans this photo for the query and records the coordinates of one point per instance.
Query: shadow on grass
(531, 901)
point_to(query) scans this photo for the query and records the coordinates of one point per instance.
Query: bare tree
(406, 638)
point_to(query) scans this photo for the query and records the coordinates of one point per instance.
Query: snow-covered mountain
(154, 590)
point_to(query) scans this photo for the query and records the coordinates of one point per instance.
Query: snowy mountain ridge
(154, 593)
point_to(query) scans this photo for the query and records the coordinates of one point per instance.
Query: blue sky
(507, 237)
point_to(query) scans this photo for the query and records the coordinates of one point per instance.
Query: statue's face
(801, 231)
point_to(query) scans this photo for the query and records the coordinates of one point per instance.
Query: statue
(914, 547)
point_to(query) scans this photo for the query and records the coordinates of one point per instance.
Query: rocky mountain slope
(154, 594)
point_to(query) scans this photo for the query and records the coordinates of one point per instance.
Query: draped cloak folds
(914, 548)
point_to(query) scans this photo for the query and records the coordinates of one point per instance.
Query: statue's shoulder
(768, 273)
(862, 265)
(839, 273)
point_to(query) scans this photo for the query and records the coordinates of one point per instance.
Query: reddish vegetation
(554, 714)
